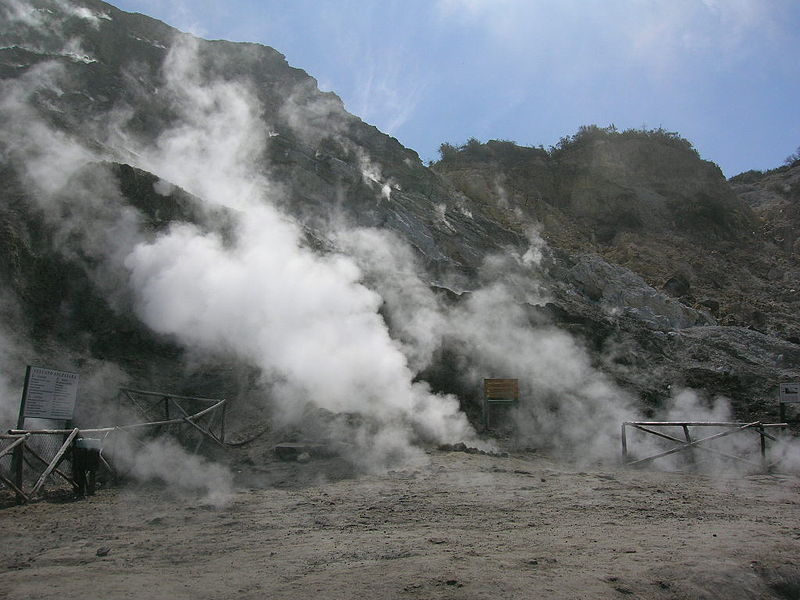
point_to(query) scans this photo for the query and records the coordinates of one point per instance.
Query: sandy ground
(461, 526)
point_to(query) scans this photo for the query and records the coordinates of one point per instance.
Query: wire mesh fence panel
(157, 406)
(5, 465)
(46, 447)
(51, 448)
(35, 455)
(41, 450)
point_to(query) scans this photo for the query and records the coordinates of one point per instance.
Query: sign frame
(48, 394)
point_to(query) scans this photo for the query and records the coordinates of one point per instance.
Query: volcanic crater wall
(170, 204)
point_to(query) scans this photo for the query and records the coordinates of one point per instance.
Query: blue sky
(723, 73)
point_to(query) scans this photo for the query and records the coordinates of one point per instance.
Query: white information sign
(790, 392)
(50, 394)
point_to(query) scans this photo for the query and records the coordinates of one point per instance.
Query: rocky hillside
(624, 205)
(147, 174)
(645, 200)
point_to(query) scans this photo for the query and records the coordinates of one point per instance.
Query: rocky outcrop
(646, 201)
(618, 291)
(741, 364)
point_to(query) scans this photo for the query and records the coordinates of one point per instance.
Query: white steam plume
(306, 320)
(92, 226)
(13, 353)
(417, 318)
(163, 460)
(566, 403)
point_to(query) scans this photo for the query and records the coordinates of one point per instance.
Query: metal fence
(31, 459)
(694, 446)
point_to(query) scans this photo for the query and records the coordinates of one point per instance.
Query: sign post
(46, 394)
(498, 393)
(16, 458)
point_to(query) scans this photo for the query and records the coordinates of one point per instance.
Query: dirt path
(462, 526)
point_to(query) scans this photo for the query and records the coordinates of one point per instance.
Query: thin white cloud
(380, 80)
(387, 93)
(663, 36)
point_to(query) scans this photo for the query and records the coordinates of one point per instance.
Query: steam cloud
(311, 322)
(303, 318)
(163, 460)
(11, 361)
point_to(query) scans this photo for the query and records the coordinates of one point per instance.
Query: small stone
(103, 551)
(624, 590)
(662, 584)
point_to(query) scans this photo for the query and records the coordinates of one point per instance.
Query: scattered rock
(294, 450)
(711, 305)
(662, 584)
(458, 447)
(462, 447)
(677, 286)
(103, 551)
(623, 590)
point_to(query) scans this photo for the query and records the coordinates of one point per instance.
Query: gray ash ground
(457, 525)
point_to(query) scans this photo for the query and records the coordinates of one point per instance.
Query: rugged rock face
(774, 197)
(665, 272)
(619, 291)
(646, 201)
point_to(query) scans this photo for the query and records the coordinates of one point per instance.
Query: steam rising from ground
(313, 323)
(305, 319)
(163, 460)
(12, 353)
(565, 403)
